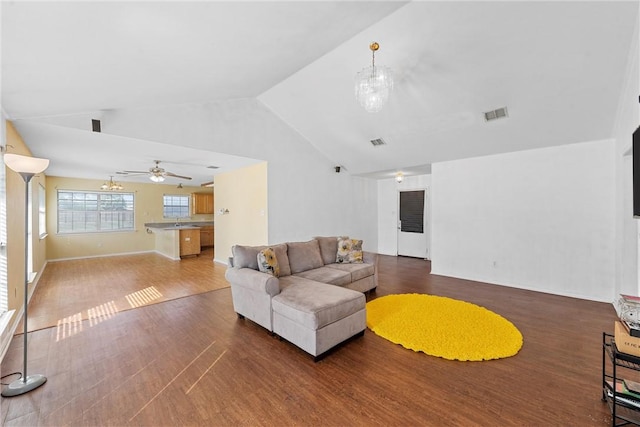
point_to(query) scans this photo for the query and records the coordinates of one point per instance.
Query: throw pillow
(268, 263)
(349, 251)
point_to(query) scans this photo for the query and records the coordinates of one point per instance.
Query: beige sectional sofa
(315, 303)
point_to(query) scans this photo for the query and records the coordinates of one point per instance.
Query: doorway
(413, 239)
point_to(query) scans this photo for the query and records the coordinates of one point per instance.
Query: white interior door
(412, 224)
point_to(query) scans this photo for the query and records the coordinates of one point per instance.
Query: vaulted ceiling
(558, 67)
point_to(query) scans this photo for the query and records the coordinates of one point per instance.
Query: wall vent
(496, 114)
(378, 142)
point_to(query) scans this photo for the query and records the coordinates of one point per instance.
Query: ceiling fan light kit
(374, 84)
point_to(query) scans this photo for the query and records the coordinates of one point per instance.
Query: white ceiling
(557, 66)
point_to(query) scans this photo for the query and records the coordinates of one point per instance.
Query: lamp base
(21, 386)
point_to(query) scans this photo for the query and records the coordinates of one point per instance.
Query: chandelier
(374, 84)
(111, 186)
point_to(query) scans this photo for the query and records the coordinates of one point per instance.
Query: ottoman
(316, 316)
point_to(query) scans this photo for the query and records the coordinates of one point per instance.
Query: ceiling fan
(156, 173)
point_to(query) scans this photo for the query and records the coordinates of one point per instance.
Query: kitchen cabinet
(206, 236)
(202, 203)
(189, 242)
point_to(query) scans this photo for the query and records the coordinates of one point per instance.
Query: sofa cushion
(247, 257)
(328, 248)
(357, 271)
(304, 256)
(315, 305)
(349, 251)
(328, 275)
(268, 263)
(294, 280)
(283, 259)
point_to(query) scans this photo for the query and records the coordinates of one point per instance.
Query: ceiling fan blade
(176, 176)
(128, 172)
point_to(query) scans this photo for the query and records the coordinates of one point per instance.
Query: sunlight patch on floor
(102, 312)
(69, 326)
(72, 325)
(143, 297)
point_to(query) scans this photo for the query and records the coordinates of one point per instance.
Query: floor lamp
(27, 167)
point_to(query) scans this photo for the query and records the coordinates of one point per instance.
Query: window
(4, 284)
(42, 211)
(175, 206)
(412, 211)
(83, 212)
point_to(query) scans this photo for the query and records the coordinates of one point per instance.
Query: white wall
(388, 190)
(306, 196)
(541, 219)
(627, 120)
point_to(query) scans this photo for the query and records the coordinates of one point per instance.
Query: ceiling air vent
(213, 167)
(496, 114)
(377, 142)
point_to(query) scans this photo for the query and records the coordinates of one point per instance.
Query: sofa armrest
(254, 280)
(372, 258)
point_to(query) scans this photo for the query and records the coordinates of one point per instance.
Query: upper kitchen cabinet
(202, 203)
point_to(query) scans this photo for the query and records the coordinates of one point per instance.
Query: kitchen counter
(172, 225)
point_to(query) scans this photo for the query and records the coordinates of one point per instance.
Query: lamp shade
(25, 164)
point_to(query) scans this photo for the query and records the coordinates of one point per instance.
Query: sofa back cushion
(304, 256)
(328, 249)
(247, 257)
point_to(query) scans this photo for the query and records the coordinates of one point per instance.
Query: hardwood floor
(191, 361)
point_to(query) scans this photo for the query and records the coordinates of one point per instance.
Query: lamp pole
(27, 167)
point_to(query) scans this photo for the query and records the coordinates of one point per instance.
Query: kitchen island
(177, 240)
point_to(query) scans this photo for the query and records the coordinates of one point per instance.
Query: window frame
(98, 212)
(180, 206)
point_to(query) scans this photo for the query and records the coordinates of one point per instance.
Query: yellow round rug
(443, 327)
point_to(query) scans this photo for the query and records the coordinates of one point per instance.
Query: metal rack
(624, 410)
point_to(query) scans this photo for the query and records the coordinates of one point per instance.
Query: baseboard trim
(8, 329)
(436, 272)
(6, 332)
(103, 256)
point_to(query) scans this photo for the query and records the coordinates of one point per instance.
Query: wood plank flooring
(192, 362)
(93, 289)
